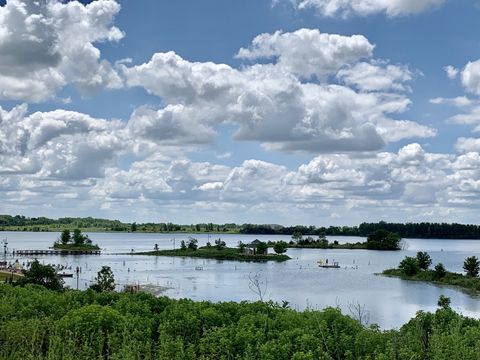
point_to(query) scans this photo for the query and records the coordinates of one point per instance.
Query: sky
(314, 112)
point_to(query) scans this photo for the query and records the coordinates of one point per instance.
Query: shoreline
(456, 281)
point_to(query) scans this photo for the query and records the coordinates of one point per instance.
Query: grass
(461, 281)
(213, 253)
(73, 247)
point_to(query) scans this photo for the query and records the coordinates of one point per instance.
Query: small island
(257, 251)
(418, 269)
(378, 240)
(75, 241)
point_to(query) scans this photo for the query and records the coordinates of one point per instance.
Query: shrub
(440, 271)
(409, 266)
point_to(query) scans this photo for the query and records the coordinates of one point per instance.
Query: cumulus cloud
(376, 76)
(277, 103)
(308, 52)
(344, 8)
(45, 45)
(398, 181)
(468, 145)
(58, 144)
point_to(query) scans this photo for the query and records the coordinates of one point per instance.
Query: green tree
(192, 243)
(78, 237)
(444, 302)
(471, 266)
(409, 266)
(183, 246)
(383, 240)
(280, 247)
(262, 247)
(424, 260)
(440, 271)
(44, 275)
(133, 227)
(105, 281)
(65, 237)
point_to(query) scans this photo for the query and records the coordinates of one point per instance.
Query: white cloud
(57, 144)
(451, 71)
(272, 103)
(471, 77)
(345, 8)
(307, 52)
(468, 145)
(45, 45)
(376, 76)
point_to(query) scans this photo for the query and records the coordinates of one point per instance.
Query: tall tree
(78, 237)
(65, 237)
(424, 260)
(105, 280)
(471, 266)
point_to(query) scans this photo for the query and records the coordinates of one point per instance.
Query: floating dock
(327, 266)
(56, 252)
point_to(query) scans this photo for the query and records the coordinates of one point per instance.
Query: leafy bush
(36, 323)
(440, 271)
(280, 247)
(409, 266)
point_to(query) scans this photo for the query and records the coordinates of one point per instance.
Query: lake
(389, 302)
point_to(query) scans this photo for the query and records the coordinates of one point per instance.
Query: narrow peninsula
(257, 251)
(418, 269)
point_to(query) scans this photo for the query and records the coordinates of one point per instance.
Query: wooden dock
(56, 252)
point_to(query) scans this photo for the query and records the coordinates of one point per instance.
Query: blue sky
(341, 112)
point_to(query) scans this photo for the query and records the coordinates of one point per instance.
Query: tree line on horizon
(406, 230)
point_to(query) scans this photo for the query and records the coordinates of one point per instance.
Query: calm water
(389, 302)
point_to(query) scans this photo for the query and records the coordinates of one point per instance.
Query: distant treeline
(408, 230)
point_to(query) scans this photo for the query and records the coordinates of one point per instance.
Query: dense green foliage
(36, 323)
(471, 266)
(383, 240)
(44, 275)
(409, 269)
(408, 230)
(380, 240)
(213, 252)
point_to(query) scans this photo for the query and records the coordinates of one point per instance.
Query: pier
(56, 252)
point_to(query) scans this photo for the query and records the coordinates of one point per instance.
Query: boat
(330, 266)
(65, 275)
(326, 265)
